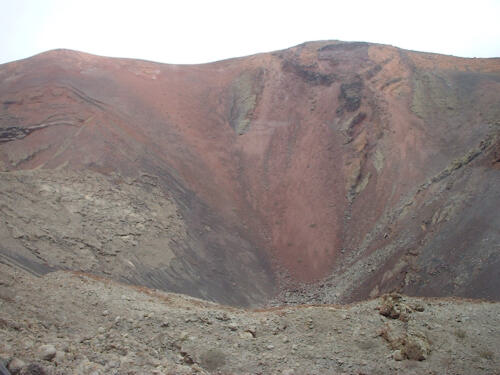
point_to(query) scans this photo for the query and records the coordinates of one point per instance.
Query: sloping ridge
(367, 167)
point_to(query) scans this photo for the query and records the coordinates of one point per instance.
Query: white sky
(191, 31)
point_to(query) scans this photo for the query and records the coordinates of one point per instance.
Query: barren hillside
(291, 181)
(368, 168)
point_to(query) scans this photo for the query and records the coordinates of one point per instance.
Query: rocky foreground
(70, 323)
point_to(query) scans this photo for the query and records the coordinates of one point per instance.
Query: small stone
(233, 326)
(113, 364)
(223, 317)
(285, 340)
(101, 330)
(270, 347)
(187, 359)
(252, 330)
(15, 366)
(246, 335)
(47, 352)
(87, 337)
(419, 308)
(398, 355)
(105, 313)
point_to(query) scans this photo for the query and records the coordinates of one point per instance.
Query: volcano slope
(360, 168)
(327, 173)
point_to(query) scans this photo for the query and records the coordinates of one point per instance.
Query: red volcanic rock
(373, 167)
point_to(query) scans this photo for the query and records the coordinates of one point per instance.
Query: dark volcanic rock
(12, 133)
(350, 96)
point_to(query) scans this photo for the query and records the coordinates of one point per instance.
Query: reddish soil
(308, 153)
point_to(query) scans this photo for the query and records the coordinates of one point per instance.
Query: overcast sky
(202, 31)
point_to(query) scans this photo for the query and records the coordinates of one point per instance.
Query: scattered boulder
(411, 345)
(419, 307)
(416, 347)
(398, 355)
(222, 317)
(186, 358)
(246, 335)
(393, 307)
(47, 352)
(15, 366)
(252, 331)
